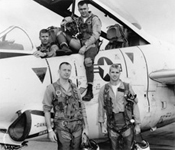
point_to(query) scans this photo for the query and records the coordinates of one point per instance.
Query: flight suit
(69, 111)
(117, 123)
(49, 49)
(90, 31)
(89, 34)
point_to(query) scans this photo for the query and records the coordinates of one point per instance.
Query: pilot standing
(117, 102)
(46, 49)
(70, 120)
(86, 43)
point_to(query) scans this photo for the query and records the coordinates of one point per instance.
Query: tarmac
(161, 139)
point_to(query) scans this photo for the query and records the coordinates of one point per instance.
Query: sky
(155, 16)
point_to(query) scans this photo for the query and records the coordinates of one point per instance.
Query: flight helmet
(144, 145)
(89, 144)
(92, 145)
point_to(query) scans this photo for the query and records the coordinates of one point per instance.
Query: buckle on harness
(64, 123)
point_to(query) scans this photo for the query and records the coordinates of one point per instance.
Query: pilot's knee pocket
(88, 62)
(74, 43)
(126, 133)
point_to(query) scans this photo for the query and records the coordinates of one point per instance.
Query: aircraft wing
(60, 7)
(165, 76)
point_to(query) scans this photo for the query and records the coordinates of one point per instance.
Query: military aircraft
(147, 63)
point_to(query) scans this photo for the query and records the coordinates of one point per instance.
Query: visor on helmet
(144, 145)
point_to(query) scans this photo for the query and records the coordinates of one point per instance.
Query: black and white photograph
(87, 75)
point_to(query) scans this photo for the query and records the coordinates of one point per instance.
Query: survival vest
(66, 107)
(44, 48)
(116, 36)
(119, 122)
(85, 29)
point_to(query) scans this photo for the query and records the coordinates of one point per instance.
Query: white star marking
(105, 68)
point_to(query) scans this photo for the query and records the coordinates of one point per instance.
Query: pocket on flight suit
(66, 135)
(77, 133)
(126, 133)
(113, 133)
(78, 129)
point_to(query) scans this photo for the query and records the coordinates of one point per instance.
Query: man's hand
(137, 129)
(103, 128)
(39, 54)
(85, 131)
(82, 50)
(52, 136)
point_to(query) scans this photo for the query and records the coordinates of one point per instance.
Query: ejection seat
(116, 36)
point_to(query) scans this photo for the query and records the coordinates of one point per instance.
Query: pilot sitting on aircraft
(46, 49)
(86, 43)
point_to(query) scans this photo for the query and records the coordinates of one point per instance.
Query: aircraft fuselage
(24, 79)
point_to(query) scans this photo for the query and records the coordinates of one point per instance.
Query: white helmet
(144, 145)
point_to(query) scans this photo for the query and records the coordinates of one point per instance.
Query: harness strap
(98, 42)
(110, 113)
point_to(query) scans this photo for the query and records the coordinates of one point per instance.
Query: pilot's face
(65, 71)
(84, 10)
(44, 37)
(114, 74)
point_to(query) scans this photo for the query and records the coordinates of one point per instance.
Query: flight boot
(89, 94)
(66, 50)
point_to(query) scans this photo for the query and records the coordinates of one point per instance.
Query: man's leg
(64, 140)
(89, 66)
(75, 44)
(113, 137)
(128, 140)
(63, 41)
(66, 42)
(76, 139)
(76, 128)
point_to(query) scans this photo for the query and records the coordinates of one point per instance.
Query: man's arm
(48, 120)
(101, 111)
(86, 127)
(51, 53)
(53, 50)
(136, 108)
(51, 133)
(39, 54)
(47, 106)
(136, 112)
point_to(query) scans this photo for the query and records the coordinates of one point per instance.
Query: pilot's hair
(44, 31)
(82, 2)
(116, 66)
(66, 63)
